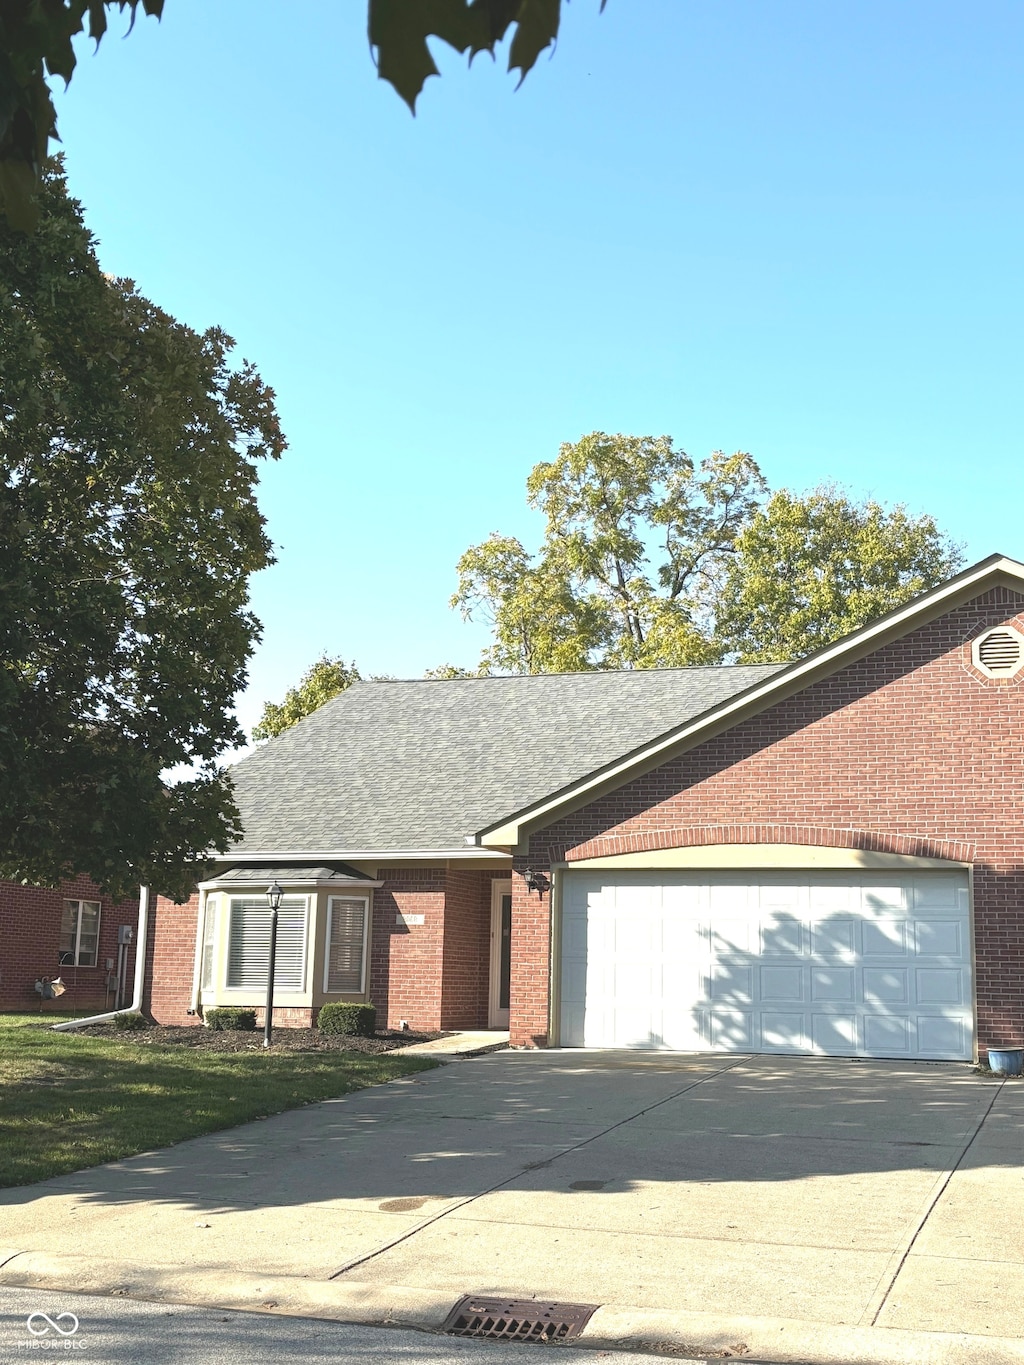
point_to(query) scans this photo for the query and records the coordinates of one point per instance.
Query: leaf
(37, 40)
(536, 29)
(398, 31)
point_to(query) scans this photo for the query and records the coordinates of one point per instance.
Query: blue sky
(793, 229)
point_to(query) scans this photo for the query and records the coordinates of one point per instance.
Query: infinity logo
(55, 1323)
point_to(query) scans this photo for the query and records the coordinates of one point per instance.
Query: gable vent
(1000, 653)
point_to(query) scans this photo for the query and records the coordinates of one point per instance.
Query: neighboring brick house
(823, 857)
(70, 932)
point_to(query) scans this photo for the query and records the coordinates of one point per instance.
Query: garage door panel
(937, 892)
(728, 981)
(884, 938)
(941, 1036)
(731, 1030)
(783, 1032)
(728, 936)
(725, 899)
(781, 937)
(835, 1034)
(886, 985)
(781, 984)
(836, 938)
(939, 986)
(650, 962)
(887, 1036)
(833, 984)
(833, 899)
(939, 938)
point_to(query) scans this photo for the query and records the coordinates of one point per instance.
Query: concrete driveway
(836, 1192)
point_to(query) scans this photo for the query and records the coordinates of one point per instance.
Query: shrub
(352, 1021)
(128, 1021)
(230, 1018)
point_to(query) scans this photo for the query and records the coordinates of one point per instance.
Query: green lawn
(68, 1100)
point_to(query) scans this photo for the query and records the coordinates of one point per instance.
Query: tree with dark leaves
(129, 450)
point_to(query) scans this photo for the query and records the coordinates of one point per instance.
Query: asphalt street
(128, 1332)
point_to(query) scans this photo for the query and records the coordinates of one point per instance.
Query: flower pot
(1006, 1061)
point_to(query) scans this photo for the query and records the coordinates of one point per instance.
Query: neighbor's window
(80, 934)
(345, 970)
(249, 943)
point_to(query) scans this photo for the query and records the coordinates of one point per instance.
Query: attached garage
(834, 963)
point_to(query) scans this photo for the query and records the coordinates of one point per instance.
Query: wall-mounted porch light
(535, 881)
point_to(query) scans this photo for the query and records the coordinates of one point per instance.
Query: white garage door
(834, 963)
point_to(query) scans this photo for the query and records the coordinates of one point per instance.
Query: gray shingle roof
(340, 872)
(421, 765)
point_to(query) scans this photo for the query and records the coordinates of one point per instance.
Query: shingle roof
(340, 872)
(421, 765)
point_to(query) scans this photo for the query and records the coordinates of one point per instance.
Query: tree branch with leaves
(37, 43)
(651, 561)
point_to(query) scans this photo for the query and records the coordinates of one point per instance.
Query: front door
(501, 953)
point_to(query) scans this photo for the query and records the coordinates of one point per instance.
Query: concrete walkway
(466, 1044)
(785, 1201)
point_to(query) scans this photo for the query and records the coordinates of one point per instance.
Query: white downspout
(140, 973)
(197, 965)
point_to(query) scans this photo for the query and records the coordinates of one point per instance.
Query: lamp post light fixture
(274, 894)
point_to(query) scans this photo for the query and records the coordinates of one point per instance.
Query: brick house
(821, 857)
(71, 932)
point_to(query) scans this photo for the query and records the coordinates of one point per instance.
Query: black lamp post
(274, 894)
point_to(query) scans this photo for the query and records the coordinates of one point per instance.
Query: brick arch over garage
(811, 836)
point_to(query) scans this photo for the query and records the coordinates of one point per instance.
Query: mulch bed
(235, 1040)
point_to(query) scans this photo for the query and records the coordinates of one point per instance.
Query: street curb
(778, 1341)
(789, 1341)
(212, 1287)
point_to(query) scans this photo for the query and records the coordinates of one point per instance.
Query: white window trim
(327, 944)
(278, 989)
(70, 900)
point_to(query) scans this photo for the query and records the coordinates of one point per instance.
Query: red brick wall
(531, 959)
(170, 960)
(466, 963)
(909, 742)
(30, 920)
(406, 962)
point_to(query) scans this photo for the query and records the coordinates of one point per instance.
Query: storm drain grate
(517, 1319)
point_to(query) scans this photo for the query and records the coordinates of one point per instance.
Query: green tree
(449, 671)
(808, 570)
(649, 561)
(36, 42)
(129, 530)
(635, 546)
(323, 680)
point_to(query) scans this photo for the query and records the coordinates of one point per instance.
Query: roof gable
(788, 679)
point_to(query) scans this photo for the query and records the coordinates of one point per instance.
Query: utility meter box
(125, 933)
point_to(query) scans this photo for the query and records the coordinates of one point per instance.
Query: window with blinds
(345, 969)
(80, 933)
(249, 944)
(209, 938)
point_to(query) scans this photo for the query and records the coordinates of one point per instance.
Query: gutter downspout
(140, 974)
(197, 965)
